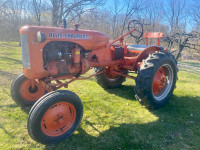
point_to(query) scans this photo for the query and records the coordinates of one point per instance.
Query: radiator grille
(25, 51)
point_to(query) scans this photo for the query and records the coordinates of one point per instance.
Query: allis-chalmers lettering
(68, 35)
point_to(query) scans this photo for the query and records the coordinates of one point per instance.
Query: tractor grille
(25, 51)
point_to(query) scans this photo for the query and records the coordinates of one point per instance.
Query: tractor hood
(88, 39)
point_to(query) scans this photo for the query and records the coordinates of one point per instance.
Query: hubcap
(58, 119)
(162, 82)
(31, 94)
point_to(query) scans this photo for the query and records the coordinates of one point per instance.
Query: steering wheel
(134, 24)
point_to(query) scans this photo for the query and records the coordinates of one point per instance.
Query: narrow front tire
(23, 93)
(55, 117)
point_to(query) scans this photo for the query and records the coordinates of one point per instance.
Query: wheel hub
(162, 82)
(58, 119)
(159, 81)
(31, 94)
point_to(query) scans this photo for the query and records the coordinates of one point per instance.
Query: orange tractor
(54, 57)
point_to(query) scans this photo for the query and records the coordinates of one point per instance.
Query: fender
(145, 53)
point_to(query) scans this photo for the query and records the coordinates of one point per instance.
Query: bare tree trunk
(61, 11)
(37, 9)
(55, 10)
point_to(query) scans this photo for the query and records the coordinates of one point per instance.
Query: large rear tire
(107, 80)
(55, 117)
(156, 80)
(23, 93)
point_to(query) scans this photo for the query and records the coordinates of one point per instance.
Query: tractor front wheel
(107, 80)
(156, 80)
(55, 117)
(23, 93)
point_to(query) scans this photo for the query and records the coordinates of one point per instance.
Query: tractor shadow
(26, 109)
(7, 132)
(125, 91)
(177, 125)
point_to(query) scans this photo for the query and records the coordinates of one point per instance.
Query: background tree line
(110, 17)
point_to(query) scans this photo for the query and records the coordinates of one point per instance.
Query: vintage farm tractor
(53, 57)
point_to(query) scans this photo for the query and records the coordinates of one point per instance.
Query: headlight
(41, 37)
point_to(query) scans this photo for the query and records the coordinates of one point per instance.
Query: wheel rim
(28, 93)
(58, 119)
(162, 82)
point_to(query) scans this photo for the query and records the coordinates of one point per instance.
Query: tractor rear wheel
(107, 80)
(23, 93)
(55, 117)
(156, 80)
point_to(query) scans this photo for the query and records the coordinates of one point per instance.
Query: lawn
(190, 66)
(190, 63)
(112, 119)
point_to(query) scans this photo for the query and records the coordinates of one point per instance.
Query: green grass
(190, 62)
(189, 66)
(112, 119)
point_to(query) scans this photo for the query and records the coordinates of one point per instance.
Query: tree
(115, 11)
(131, 7)
(38, 9)
(196, 12)
(11, 18)
(182, 41)
(70, 9)
(176, 14)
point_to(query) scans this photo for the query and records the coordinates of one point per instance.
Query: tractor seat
(140, 47)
